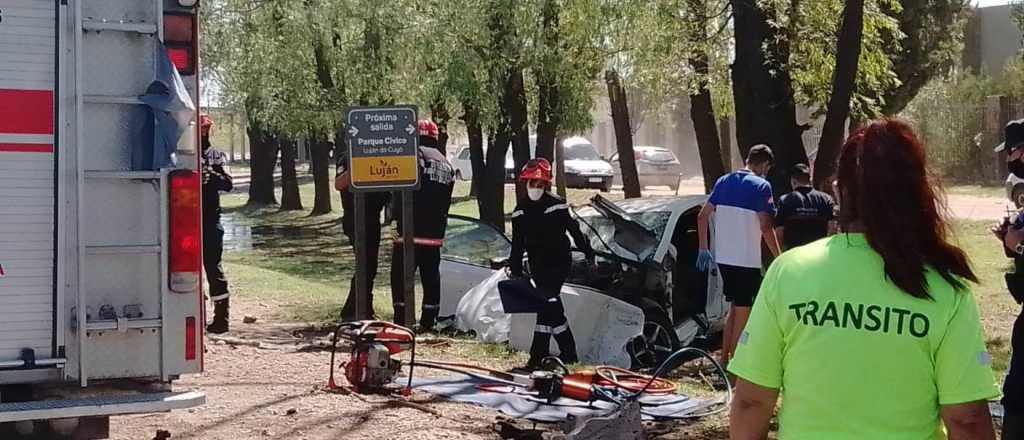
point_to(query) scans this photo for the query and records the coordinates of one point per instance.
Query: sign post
(383, 156)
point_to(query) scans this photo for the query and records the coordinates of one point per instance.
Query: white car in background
(646, 288)
(656, 166)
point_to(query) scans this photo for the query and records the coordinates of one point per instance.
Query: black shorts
(740, 284)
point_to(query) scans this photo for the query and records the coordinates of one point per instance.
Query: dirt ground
(277, 391)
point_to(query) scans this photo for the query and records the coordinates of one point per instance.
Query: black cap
(761, 153)
(800, 170)
(1013, 135)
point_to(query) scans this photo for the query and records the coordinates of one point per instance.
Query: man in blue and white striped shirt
(744, 210)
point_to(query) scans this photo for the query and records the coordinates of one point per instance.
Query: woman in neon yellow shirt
(872, 333)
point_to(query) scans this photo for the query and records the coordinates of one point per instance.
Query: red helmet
(428, 128)
(205, 122)
(536, 169)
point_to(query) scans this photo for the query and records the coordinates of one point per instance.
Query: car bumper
(588, 180)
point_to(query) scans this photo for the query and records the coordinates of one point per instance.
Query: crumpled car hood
(630, 233)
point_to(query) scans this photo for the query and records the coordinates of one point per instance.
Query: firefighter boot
(539, 350)
(220, 317)
(567, 347)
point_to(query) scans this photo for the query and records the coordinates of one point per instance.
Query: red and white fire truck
(101, 304)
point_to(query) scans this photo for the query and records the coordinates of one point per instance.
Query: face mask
(535, 193)
(1016, 167)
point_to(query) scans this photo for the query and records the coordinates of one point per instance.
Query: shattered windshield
(605, 228)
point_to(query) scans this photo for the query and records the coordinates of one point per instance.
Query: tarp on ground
(524, 405)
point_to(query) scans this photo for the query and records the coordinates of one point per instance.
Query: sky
(992, 2)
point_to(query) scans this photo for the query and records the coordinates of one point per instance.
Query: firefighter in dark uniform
(539, 227)
(375, 203)
(215, 180)
(430, 218)
(1011, 233)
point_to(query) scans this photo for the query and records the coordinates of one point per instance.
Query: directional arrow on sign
(410, 129)
(353, 131)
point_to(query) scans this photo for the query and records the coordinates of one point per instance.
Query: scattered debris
(249, 319)
(162, 435)
(291, 412)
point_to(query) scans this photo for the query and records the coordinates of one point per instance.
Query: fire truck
(101, 303)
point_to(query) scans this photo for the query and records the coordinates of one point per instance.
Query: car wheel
(1018, 195)
(607, 187)
(657, 342)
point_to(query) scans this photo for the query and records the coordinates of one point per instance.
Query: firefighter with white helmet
(215, 180)
(540, 224)
(430, 219)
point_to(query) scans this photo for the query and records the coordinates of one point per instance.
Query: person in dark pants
(1011, 233)
(539, 227)
(375, 203)
(215, 179)
(430, 219)
(806, 214)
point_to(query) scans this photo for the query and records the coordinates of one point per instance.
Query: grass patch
(993, 191)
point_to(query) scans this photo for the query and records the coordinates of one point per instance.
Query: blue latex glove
(705, 260)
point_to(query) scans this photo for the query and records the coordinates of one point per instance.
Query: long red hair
(885, 186)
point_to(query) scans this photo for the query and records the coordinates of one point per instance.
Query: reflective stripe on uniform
(220, 297)
(557, 207)
(431, 306)
(553, 300)
(548, 330)
(516, 214)
(401, 304)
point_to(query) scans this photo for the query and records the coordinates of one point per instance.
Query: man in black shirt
(805, 214)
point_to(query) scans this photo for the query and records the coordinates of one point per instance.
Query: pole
(408, 258)
(360, 234)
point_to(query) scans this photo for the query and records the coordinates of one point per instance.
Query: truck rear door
(28, 72)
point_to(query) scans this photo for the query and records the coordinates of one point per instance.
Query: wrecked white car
(644, 301)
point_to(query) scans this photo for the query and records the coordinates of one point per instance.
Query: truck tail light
(186, 234)
(180, 39)
(190, 338)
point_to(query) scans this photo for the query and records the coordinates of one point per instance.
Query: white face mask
(535, 193)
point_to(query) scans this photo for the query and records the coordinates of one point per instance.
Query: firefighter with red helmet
(430, 218)
(215, 180)
(540, 224)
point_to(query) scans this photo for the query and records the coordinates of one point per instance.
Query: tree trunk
(290, 199)
(763, 92)
(844, 82)
(476, 146)
(702, 110)
(560, 167)
(725, 137)
(491, 199)
(439, 113)
(320, 149)
(515, 107)
(623, 134)
(262, 162)
(549, 92)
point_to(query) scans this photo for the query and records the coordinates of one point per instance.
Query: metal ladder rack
(84, 177)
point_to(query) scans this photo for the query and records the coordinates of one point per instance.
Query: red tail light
(186, 234)
(180, 39)
(190, 338)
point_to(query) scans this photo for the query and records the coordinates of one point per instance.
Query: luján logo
(383, 170)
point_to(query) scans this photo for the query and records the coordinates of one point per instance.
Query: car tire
(1017, 195)
(607, 187)
(657, 342)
